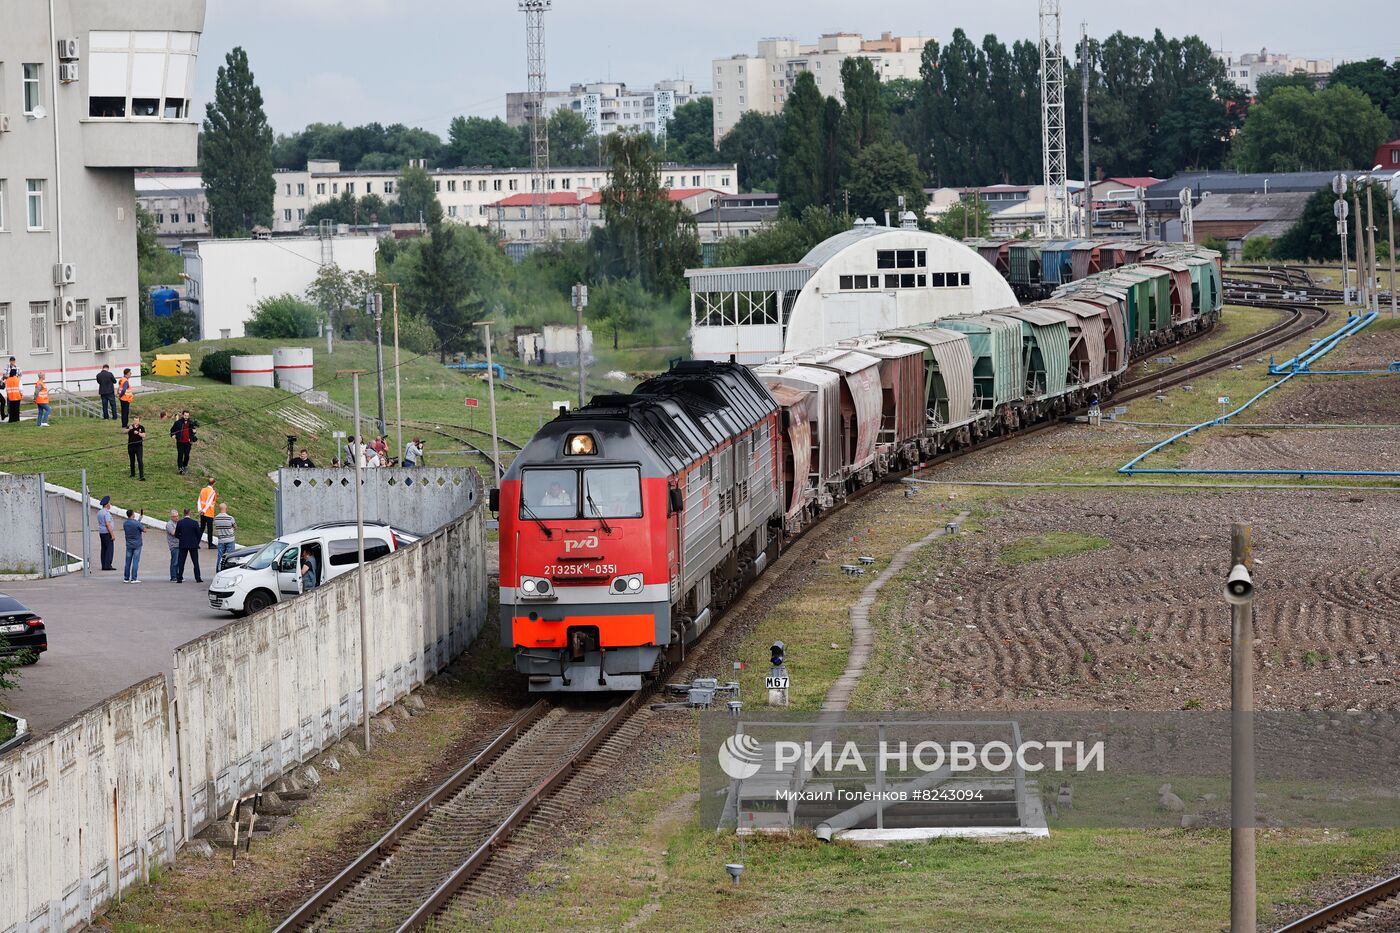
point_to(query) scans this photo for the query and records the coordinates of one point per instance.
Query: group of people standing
(182, 536)
(14, 394)
(375, 454)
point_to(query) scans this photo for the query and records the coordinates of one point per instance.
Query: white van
(274, 573)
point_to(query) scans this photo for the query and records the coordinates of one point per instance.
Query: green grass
(7, 729)
(1049, 546)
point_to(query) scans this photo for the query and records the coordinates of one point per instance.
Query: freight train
(627, 525)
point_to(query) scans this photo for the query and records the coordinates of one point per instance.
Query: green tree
(1267, 84)
(236, 152)
(1377, 80)
(339, 296)
(802, 174)
(753, 146)
(452, 276)
(645, 235)
(786, 240)
(619, 306)
(1301, 130)
(690, 133)
(571, 142)
(9, 664)
(965, 219)
(415, 190)
(283, 317)
(478, 141)
(1313, 235)
(880, 175)
(341, 209)
(1257, 248)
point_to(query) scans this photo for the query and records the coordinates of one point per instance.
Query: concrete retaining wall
(21, 508)
(262, 695)
(417, 500)
(86, 811)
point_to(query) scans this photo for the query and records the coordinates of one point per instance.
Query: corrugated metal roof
(1041, 316)
(828, 248)
(786, 278)
(1276, 205)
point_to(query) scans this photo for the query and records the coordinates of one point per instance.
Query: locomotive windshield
(596, 492)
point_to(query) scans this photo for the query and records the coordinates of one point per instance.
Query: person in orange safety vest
(208, 504)
(125, 395)
(13, 394)
(41, 401)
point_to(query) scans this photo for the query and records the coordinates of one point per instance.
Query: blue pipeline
(497, 368)
(1294, 367)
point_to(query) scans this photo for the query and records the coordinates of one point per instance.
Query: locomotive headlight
(537, 587)
(632, 583)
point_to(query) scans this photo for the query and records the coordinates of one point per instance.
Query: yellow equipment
(171, 364)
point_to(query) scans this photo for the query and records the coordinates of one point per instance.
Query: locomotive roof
(678, 417)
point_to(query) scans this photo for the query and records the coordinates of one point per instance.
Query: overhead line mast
(534, 11)
(1052, 121)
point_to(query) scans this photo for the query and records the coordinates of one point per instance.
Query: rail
(1340, 912)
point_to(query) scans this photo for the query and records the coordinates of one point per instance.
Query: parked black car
(21, 629)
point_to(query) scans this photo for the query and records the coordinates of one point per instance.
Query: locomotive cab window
(549, 494)
(612, 492)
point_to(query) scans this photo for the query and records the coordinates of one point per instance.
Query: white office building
(762, 82)
(90, 90)
(228, 277)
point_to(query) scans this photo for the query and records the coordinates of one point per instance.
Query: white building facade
(762, 82)
(227, 278)
(90, 90)
(609, 106)
(1246, 70)
(858, 282)
(176, 202)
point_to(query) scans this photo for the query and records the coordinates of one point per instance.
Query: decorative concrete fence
(87, 810)
(415, 499)
(22, 518)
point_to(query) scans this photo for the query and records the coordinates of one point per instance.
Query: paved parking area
(105, 635)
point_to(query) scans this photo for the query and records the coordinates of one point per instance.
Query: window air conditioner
(69, 311)
(67, 49)
(64, 273)
(67, 72)
(105, 342)
(108, 315)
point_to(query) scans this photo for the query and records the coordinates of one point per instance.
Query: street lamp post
(1362, 264)
(1375, 269)
(1392, 204)
(367, 704)
(491, 393)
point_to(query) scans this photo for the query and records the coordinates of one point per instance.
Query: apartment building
(762, 82)
(609, 106)
(90, 90)
(1247, 69)
(574, 214)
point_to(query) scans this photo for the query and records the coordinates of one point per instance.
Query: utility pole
(1362, 264)
(1339, 211)
(580, 296)
(374, 304)
(398, 396)
(1239, 593)
(1392, 204)
(367, 705)
(1375, 269)
(491, 392)
(1087, 224)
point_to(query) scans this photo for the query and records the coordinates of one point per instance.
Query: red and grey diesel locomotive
(628, 524)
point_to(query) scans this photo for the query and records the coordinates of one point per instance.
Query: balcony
(139, 143)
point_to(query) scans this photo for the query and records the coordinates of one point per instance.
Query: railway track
(1374, 908)
(1301, 319)
(446, 848)
(441, 845)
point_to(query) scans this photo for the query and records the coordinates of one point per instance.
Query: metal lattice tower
(534, 11)
(1052, 120)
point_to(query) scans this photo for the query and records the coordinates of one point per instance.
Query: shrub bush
(216, 364)
(283, 317)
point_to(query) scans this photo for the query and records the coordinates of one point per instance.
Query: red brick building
(1388, 156)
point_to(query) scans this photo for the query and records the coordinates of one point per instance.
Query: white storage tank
(293, 368)
(251, 370)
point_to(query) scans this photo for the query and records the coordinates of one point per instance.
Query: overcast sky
(421, 62)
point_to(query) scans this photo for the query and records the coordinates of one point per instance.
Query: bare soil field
(1141, 624)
